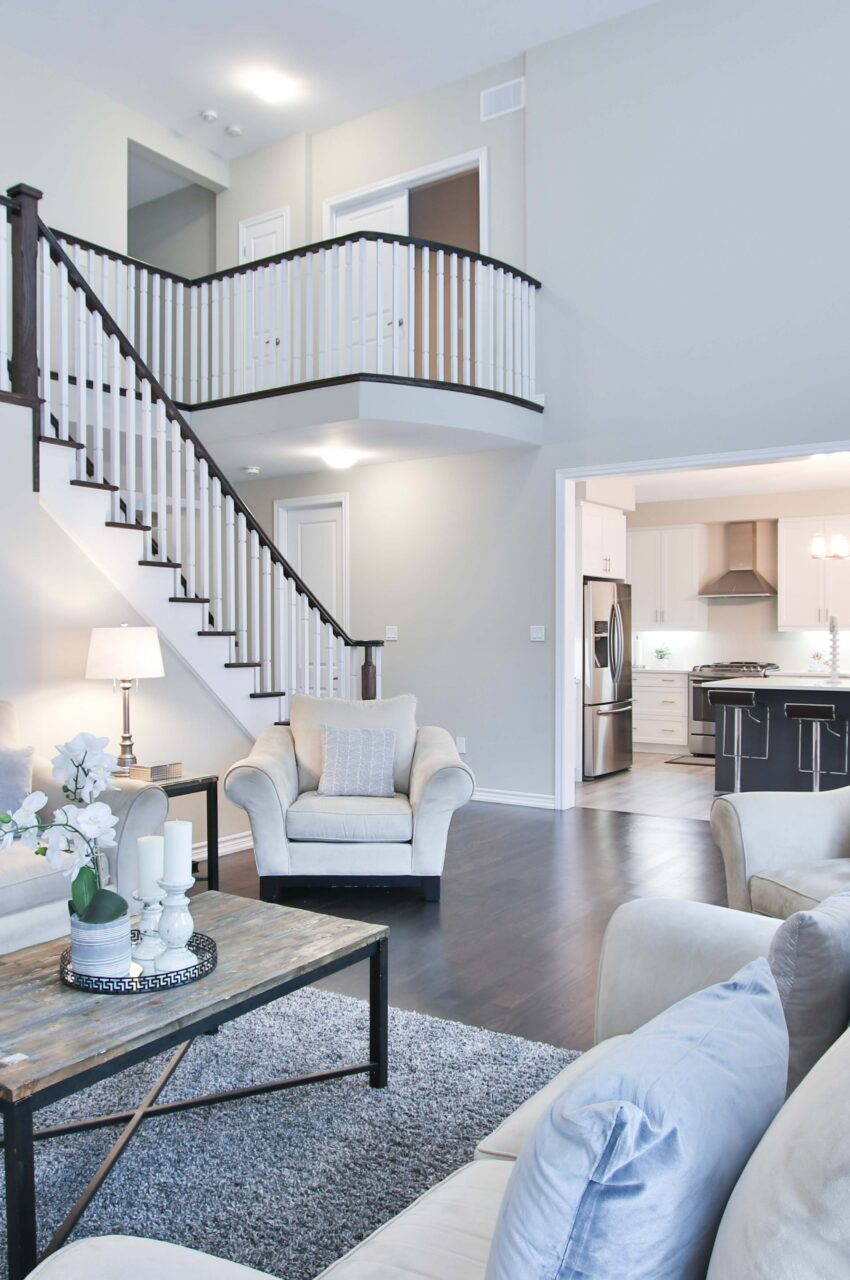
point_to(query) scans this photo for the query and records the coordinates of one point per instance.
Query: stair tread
(161, 564)
(242, 664)
(127, 524)
(188, 599)
(283, 723)
(96, 484)
(216, 633)
(274, 693)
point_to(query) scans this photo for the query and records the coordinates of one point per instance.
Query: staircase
(121, 471)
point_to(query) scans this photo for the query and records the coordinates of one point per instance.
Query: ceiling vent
(502, 99)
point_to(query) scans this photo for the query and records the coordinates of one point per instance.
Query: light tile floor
(653, 787)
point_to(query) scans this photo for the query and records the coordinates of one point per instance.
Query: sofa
(783, 851)
(786, 1219)
(303, 839)
(34, 897)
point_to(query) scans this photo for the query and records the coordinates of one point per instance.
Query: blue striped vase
(101, 950)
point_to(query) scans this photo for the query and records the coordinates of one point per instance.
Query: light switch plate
(461, 745)
(391, 633)
(537, 634)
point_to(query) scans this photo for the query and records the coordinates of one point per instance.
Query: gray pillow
(15, 777)
(357, 762)
(810, 960)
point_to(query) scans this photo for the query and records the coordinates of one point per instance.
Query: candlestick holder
(150, 945)
(175, 929)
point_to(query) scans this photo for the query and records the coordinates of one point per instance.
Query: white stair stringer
(82, 514)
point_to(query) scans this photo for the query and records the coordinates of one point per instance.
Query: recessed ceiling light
(251, 471)
(340, 459)
(210, 115)
(234, 131)
(269, 85)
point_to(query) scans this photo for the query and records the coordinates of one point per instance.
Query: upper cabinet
(810, 591)
(603, 541)
(666, 569)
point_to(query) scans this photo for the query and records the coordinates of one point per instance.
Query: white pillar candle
(178, 852)
(150, 854)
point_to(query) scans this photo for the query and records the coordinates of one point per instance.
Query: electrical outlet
(537, 634)
(390, 633)
(461, 746)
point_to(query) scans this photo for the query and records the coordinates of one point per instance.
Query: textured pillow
(627, 1174)
(15, 777)
(307, 715)
(810, 960)
(357, 762)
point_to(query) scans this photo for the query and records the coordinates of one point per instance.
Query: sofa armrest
(760, 830)
(43, 780)
(657, 951)
(440, 782)
(265, 784)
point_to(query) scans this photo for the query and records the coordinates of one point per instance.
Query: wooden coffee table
(70, 1039)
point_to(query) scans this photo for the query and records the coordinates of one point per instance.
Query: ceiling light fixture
(251, 471)
(209, 115)
(340, 459)
(269, 85)
(234, 131)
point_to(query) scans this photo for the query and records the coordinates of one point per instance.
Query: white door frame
(449, 168)
(281, 536)
(568, 604)
(246, 223)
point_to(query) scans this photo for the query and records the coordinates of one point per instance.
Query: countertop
(782, 680)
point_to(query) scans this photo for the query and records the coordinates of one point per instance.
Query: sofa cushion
(357, 762)
(810, 960)
(444, 1235)
(134, 1258)
(788, 1218)
(15, 777)
(506, 1141)
(627, 1174)
(781, 892)
(307, 715)
(28, 881)
(353, 819)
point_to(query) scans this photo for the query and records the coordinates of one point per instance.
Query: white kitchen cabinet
(810, 591)
(666, 569)
(603, 541)
(660, 702)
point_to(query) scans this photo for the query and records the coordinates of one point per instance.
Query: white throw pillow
(15, 777)
(307, 715)
(357, 762)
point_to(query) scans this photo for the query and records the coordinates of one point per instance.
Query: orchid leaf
(83, 889)
(104, 906)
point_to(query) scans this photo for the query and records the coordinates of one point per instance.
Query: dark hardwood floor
(527, 894)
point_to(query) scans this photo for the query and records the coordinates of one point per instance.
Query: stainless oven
(701, 722)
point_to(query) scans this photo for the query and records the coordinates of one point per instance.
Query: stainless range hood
(742, 579)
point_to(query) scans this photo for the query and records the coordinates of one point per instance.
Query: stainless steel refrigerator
(607, 677)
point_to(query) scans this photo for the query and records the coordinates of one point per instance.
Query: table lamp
(124, 654)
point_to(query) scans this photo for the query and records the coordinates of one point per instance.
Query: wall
(741, 629)
(175, 232)
(274, 177)
(71, 142)
(52, 597)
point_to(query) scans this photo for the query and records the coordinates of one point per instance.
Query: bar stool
(819, 715)
(738, 701)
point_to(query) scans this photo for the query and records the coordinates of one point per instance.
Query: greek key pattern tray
(137, 982)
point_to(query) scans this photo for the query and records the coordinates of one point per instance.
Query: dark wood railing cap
(23, 189)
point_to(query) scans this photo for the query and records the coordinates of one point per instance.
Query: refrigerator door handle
(621, 639)
(616, 711)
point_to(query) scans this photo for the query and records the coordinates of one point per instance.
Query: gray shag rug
(289, 1182)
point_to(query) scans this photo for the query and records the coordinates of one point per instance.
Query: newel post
(24, 223)
(368, 675)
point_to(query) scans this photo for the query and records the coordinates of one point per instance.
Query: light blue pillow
(15, 777)
(627, 1174)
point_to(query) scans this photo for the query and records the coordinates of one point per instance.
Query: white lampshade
(818, 550)
(124, 653)
(839, 548)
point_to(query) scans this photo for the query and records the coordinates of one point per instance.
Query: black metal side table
(208, 783)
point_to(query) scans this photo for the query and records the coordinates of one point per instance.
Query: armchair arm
(440, 782)
(657, 951)
(757, 830)
(140, 807)
(265, 784)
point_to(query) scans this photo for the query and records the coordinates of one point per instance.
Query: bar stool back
(820, 715)
(738, 701)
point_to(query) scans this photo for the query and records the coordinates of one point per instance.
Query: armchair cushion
(349, 818)
(307, 715)
(357, 762)
(781, 892)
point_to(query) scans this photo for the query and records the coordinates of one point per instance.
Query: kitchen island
(780, 736)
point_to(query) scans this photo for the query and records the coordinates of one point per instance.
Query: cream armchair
(783, 851)
(302, 839)
(33, 897)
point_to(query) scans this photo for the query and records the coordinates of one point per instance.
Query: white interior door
(390, 216)
(262, 236)
(313, 536)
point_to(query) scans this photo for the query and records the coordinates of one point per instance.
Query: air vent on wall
(502, 99)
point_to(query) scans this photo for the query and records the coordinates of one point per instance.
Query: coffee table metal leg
(212, 836)
(20, 1188)
(378, 1015)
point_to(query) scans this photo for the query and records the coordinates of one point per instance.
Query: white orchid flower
(96, 822)
(83, 766)
(26, 815)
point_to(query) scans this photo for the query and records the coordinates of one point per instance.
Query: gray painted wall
(175, 232)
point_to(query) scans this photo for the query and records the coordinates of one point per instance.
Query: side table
(208, 783)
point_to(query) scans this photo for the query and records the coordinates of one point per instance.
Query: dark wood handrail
(9, 204)
(111, 329)
(289, 255)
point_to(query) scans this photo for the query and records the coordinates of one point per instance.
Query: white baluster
(509, 332)
(161, 430)
(348, 316)
(156, 355)
(379, 306)
(309, 346)
(411, 311)
(323, 308)
(396, 309)
(203, 523)
(45, 311)
(242, 587)
(132, 274)
(306, 686)
(426, 312)
(179, 341)
(254, 594)
(5, 350)
(454, 322)
(204, 343)
(273, 272)
(283, 366)
(226, 349)
(266, 652)
(279, 677)
(317, 653)
(142, 345)
(478, 371)
(193, 345)
(330, 649)
(292, 596)
(219, 620)
(168, 336)
(342, 667)
(491, 327)
(260, 337)
(230, 564)
(147, 467)
(532, 348)
(97, 394)
(64, 344)
(82, 375)
(361, 305)
(121, 295)
(467, 324)
(239, 373)
(441, 316)
(176, 508)
(115, 426)
(500, 329)
(88, 259)
(215, 340)
(525, 380)
(334, 290)
(189, 556)
(130, 437)
(296, 373)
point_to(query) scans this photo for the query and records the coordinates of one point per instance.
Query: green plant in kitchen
(74, 840)
(662, 653)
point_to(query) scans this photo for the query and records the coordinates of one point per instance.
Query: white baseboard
(529, 799)
(226, 844)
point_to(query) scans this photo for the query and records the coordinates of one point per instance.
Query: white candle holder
(150, 946)
(175, 929)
